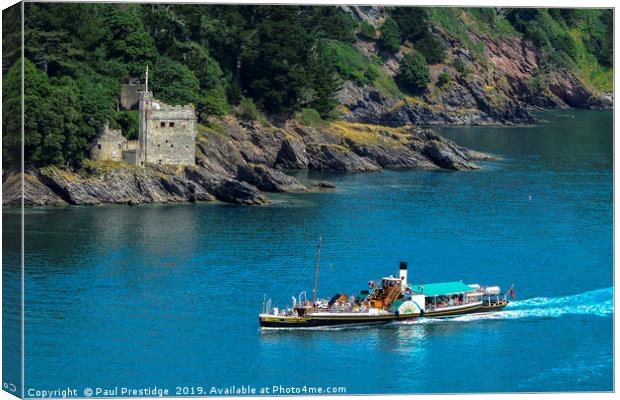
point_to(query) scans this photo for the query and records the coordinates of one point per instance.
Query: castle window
(171, 124)
(162, 124)
(119, 145)
(171, 145)
(157, 145)
(99, 146)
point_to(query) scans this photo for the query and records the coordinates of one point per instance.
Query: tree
(129, 42)
(167, 28)
(565, 42)
(54, 131)
(390, 36)
(412, 21)
(175, 83)
(330, 23)
(413, 74)
(211, 79)
(11, 119)
(367, 31)
(277, 78)
(432, 48)
(325, 84)
(414, 25)
(599, 42)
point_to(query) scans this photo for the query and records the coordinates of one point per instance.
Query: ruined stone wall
(108, 146)
(132, 145)
(171, 132)
(132, 156)
(130, 95)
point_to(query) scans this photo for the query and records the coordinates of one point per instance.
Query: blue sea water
(169, 296)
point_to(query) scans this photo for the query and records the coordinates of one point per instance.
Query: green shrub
(248, 110)
(537, 35)
(486, 15)
(413, 74)
(444, 79)
(431, 47)
(310, 117)
(390, 36)
(372, 72)
(127, 122)
(460, 67)
(565, 42)
(349, 62)
(367, 30)
(415, 26)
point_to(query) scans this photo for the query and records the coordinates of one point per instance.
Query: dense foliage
(211, 56)
(414, 24)
(253, 60)
(390, 35)
(413, 73)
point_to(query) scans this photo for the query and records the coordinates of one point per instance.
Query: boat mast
(316, 272)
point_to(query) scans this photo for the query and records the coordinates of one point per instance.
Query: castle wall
(131, 157)
(171, 132)
(166, 134)
(108, 146)
(132, 145)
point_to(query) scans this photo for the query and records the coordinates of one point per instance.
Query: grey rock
(447, 155)
(292, 155)
(328, 157)
(269, 179)
(226, 189)
(35, 192)
(325, 185)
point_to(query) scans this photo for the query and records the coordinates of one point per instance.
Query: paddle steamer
(388, 300)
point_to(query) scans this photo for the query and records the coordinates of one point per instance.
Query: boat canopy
(441, 289)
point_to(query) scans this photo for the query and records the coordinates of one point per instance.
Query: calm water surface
(169, 295)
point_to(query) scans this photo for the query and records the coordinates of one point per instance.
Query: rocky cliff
(496, 88)
(237, 161)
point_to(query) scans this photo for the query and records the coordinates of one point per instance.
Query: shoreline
(248, 161)
(239, 161)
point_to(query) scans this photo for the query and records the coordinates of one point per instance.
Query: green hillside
(276, 60)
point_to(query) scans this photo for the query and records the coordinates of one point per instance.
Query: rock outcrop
(237, 161)
(127, 185)
(496, 89)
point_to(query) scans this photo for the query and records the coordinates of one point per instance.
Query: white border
(458, 3)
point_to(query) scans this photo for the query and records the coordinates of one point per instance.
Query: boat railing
(495, 299)
(448, 303)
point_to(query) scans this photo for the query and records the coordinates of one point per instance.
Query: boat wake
(596, 302)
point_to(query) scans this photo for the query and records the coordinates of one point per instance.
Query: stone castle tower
(166, 134)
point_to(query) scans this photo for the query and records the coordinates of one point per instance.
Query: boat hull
(477, 309)
(271, 321)
(324, 321)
